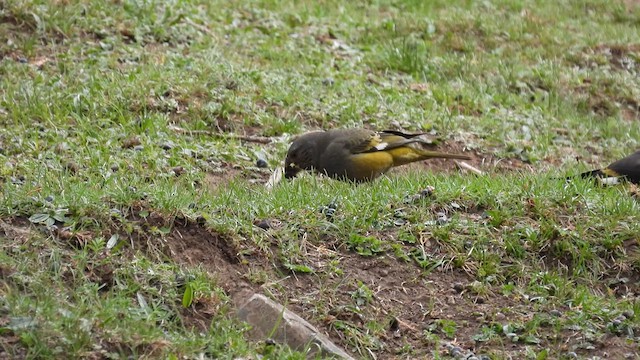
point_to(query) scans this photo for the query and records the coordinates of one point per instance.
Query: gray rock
(270, 319)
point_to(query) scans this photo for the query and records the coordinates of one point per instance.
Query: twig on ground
(464, 165)
(248, 138)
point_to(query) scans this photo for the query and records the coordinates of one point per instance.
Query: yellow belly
(369, 166)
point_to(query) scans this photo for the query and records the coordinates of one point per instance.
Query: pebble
(513, 337)
(428, 191)
(328, 82)
(500, 316)
(555, 312)
(262, 163)
(394, 324)
(458, 287)
(168, 145)
(455, 351)
(178, 170)
(263, 224)
(17, 180)
(442, 218)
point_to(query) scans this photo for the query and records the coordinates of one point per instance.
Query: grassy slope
(89, 92)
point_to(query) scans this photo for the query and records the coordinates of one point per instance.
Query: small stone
(399, 222)
(138, 148)
(178, 170)
(555, 312)
(22, 60)
(455, 351)
(17, 180)
(115, 167)
(131, 142)
(500, 316)
(428, 191)
(62, 147)
(513, 337)
(458, 287)
(167, 145)
(441, 218)
(394, 324)
(328, 82)
(572, 355)
(628, 314)
(262, 163)
(49, 198)
(263, 224)
(329, 210)
(72, 167)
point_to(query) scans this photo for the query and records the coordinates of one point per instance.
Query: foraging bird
(627, 168)
(357, 154)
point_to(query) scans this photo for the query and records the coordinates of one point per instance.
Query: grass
(100, 190)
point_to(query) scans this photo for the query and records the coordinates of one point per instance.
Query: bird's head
(300, 155)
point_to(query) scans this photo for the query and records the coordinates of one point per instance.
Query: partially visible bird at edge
(625, 169)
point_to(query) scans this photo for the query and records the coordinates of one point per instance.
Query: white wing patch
(381, 146)
(609, 181)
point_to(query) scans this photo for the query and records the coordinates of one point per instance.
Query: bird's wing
(389, 139)
(359, 141)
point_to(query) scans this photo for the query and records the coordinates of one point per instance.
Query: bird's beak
(291, 170)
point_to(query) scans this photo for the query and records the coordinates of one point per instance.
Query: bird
(626, 169)
(357, 155)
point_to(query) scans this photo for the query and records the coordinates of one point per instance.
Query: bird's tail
(597, 173)
(603, 176)
(407, 154)
(429, 154)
